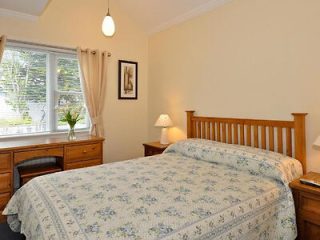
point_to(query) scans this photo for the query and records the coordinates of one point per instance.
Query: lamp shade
(163, 121)
(317, 142)
(108, 26)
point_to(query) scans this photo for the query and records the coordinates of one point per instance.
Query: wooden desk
(84, 152)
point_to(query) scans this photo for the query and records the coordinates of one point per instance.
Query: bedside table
(307, 203)
(154, 148)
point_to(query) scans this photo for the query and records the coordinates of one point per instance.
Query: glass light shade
(163, 121)
(317, 142)
(108, 26)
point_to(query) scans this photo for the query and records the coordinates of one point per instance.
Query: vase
(71, 134)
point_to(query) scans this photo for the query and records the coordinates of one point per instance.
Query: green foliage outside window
(23, 79)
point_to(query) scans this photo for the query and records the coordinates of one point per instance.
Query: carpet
(7, 234)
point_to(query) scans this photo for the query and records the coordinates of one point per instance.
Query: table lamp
(316, 143)
(164, 122)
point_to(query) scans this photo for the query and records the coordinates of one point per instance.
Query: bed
(200, 188)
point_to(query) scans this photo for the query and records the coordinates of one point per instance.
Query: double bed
(197, 189)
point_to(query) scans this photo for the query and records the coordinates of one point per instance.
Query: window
(34, 83)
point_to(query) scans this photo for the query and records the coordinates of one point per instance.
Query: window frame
(52, 92)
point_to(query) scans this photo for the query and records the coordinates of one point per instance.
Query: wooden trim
(271, 138)
(300, 138)
(203, 129)
(213, 131)
(274, 123)
(259, 137)
(263, 137)
(256, 136)
(198, 129)
(224, 133)
(190, 132)
(289, 142)
(235, 133)
(242, 136)
(248, 135)
(208, 130)
(280, 140)
(3, 39)
(230, 133)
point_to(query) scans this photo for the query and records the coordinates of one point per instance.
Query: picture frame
(128, 80)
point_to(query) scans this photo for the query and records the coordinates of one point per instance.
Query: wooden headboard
(286, 137)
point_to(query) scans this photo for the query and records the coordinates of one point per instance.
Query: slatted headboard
(286, 137)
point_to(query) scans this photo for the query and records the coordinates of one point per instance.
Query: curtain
(3, 40)
(93, 66)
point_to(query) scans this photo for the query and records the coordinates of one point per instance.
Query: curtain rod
(49, 46)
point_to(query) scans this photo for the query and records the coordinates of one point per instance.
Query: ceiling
(152, 15)
(157, 15)
(25, 7)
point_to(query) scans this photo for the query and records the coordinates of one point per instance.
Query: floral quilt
(197, 189)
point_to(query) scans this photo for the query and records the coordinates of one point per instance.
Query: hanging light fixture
(108, 26)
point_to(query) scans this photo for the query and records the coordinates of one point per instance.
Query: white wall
(74, 23)
(248, 58)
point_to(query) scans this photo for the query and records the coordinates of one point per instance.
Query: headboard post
(300, 138)
(189, 123)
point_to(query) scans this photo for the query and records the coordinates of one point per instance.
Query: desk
(84, 152)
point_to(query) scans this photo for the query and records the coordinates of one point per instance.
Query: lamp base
(164, 136)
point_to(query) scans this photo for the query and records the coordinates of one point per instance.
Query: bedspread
(181, 194)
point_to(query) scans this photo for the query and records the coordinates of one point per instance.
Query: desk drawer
(4, 199)
(83, 152)
(32, 154)
(5, 182)
(83, 164)
(5, 162)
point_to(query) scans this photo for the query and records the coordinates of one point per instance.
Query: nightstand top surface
(156, 145)
(296, 184)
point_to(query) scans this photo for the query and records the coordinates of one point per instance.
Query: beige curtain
(3, 40)
(93, 65)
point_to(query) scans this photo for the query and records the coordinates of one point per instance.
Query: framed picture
(128, 80)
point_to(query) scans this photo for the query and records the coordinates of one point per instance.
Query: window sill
(45, 134)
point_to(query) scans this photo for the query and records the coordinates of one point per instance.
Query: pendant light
(108, 26)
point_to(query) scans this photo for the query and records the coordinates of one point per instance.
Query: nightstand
(154, 148)
(307, 203)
